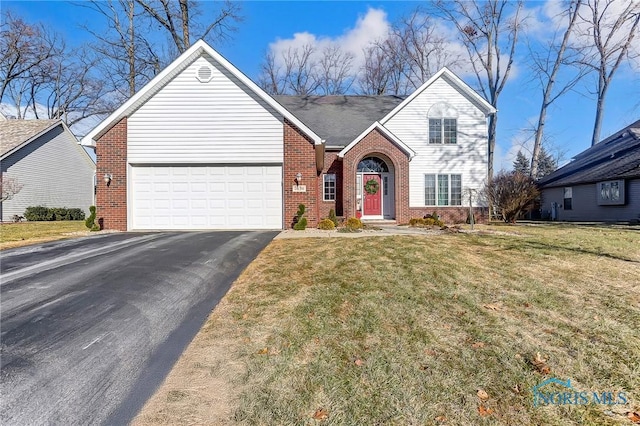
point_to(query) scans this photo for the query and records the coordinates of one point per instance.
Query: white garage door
(206, 197)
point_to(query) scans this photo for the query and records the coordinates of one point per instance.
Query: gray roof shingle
(14, 133)
(339, 119)
(616, 157)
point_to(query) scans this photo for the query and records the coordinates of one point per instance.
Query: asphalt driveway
(90, 327)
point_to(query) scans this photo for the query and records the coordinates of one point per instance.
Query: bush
(425, 221)
(326, 224)
(41, 213)
(353, 224)
(511, 193)
(91, 220)
(301, 221)
(333, 218)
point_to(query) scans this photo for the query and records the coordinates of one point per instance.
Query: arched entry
(375, 188)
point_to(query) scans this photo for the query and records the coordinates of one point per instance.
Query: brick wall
(299, 157)
(450, 215)
(111, 201)
(332, 164)
(372, 144)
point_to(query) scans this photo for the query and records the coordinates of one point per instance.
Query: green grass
(19, 234)
(406, 330)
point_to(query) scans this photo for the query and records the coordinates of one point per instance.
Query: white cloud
(368, 29)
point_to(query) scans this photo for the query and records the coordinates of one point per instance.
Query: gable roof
(453, 79)
(14, 134)
(199, 48)
(339, 119)
(616, 157)
(393, 138)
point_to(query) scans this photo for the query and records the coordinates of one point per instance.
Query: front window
(443, 190)
(329, 187)
(568, 198)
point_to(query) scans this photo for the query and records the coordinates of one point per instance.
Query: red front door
(372, 202)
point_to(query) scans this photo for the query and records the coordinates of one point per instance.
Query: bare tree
(271, 78)
(422, 51)
(546, 63)
(128, 58)
(334, 71)
(375, 72)
(23, 48)
(180, 19)
(9, 187)
(610, 27)
(489, 30)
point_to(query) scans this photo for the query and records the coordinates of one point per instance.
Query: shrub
(511, 193)
(353, 224)
(425, 221)
(326, 224)
(333, 218)
(41, 213)
(301, 221)
(91, 220)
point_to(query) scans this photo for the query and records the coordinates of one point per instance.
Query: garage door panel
(206, 197)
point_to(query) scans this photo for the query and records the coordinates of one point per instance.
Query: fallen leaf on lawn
(483, 394)
(541, 364)
(440, 419)
(516, 388)
(478, 345)
(633, 416)
(483, 411)
(263, 351)
(430, 352)
(447, 326)
(527, 305)
(491, 306)
(358, 362)
(518, 356)
(321, 414)
(245, 316)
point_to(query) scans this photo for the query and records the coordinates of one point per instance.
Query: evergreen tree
(546, 164)
(521, 164)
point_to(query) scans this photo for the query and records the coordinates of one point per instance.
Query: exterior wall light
(298, 178)
(108, 177)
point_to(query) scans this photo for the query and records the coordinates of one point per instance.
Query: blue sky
(268, 25)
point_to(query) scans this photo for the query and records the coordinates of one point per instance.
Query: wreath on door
(372, 187)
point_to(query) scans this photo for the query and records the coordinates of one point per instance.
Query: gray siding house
(50, 164)
(600, 184)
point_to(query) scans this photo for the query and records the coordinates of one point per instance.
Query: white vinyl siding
(54, 171)
(206, 197)
(220, 121)
(467, 157)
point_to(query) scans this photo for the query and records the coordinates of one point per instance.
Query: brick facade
(332, 165)
(451, 215)
(299, 157)
(111, 200)
(372, 144)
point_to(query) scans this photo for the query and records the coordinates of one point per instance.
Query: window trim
(325, 187)
(435, 180)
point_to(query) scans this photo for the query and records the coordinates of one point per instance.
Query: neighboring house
(50, 164)
(201, 146)
(600, 184)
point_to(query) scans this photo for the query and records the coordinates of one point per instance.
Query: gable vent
(205, 74)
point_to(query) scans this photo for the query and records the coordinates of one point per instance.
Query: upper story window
(443, 124)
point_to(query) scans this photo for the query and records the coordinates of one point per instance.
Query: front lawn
(446, 329)
(25, 233)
